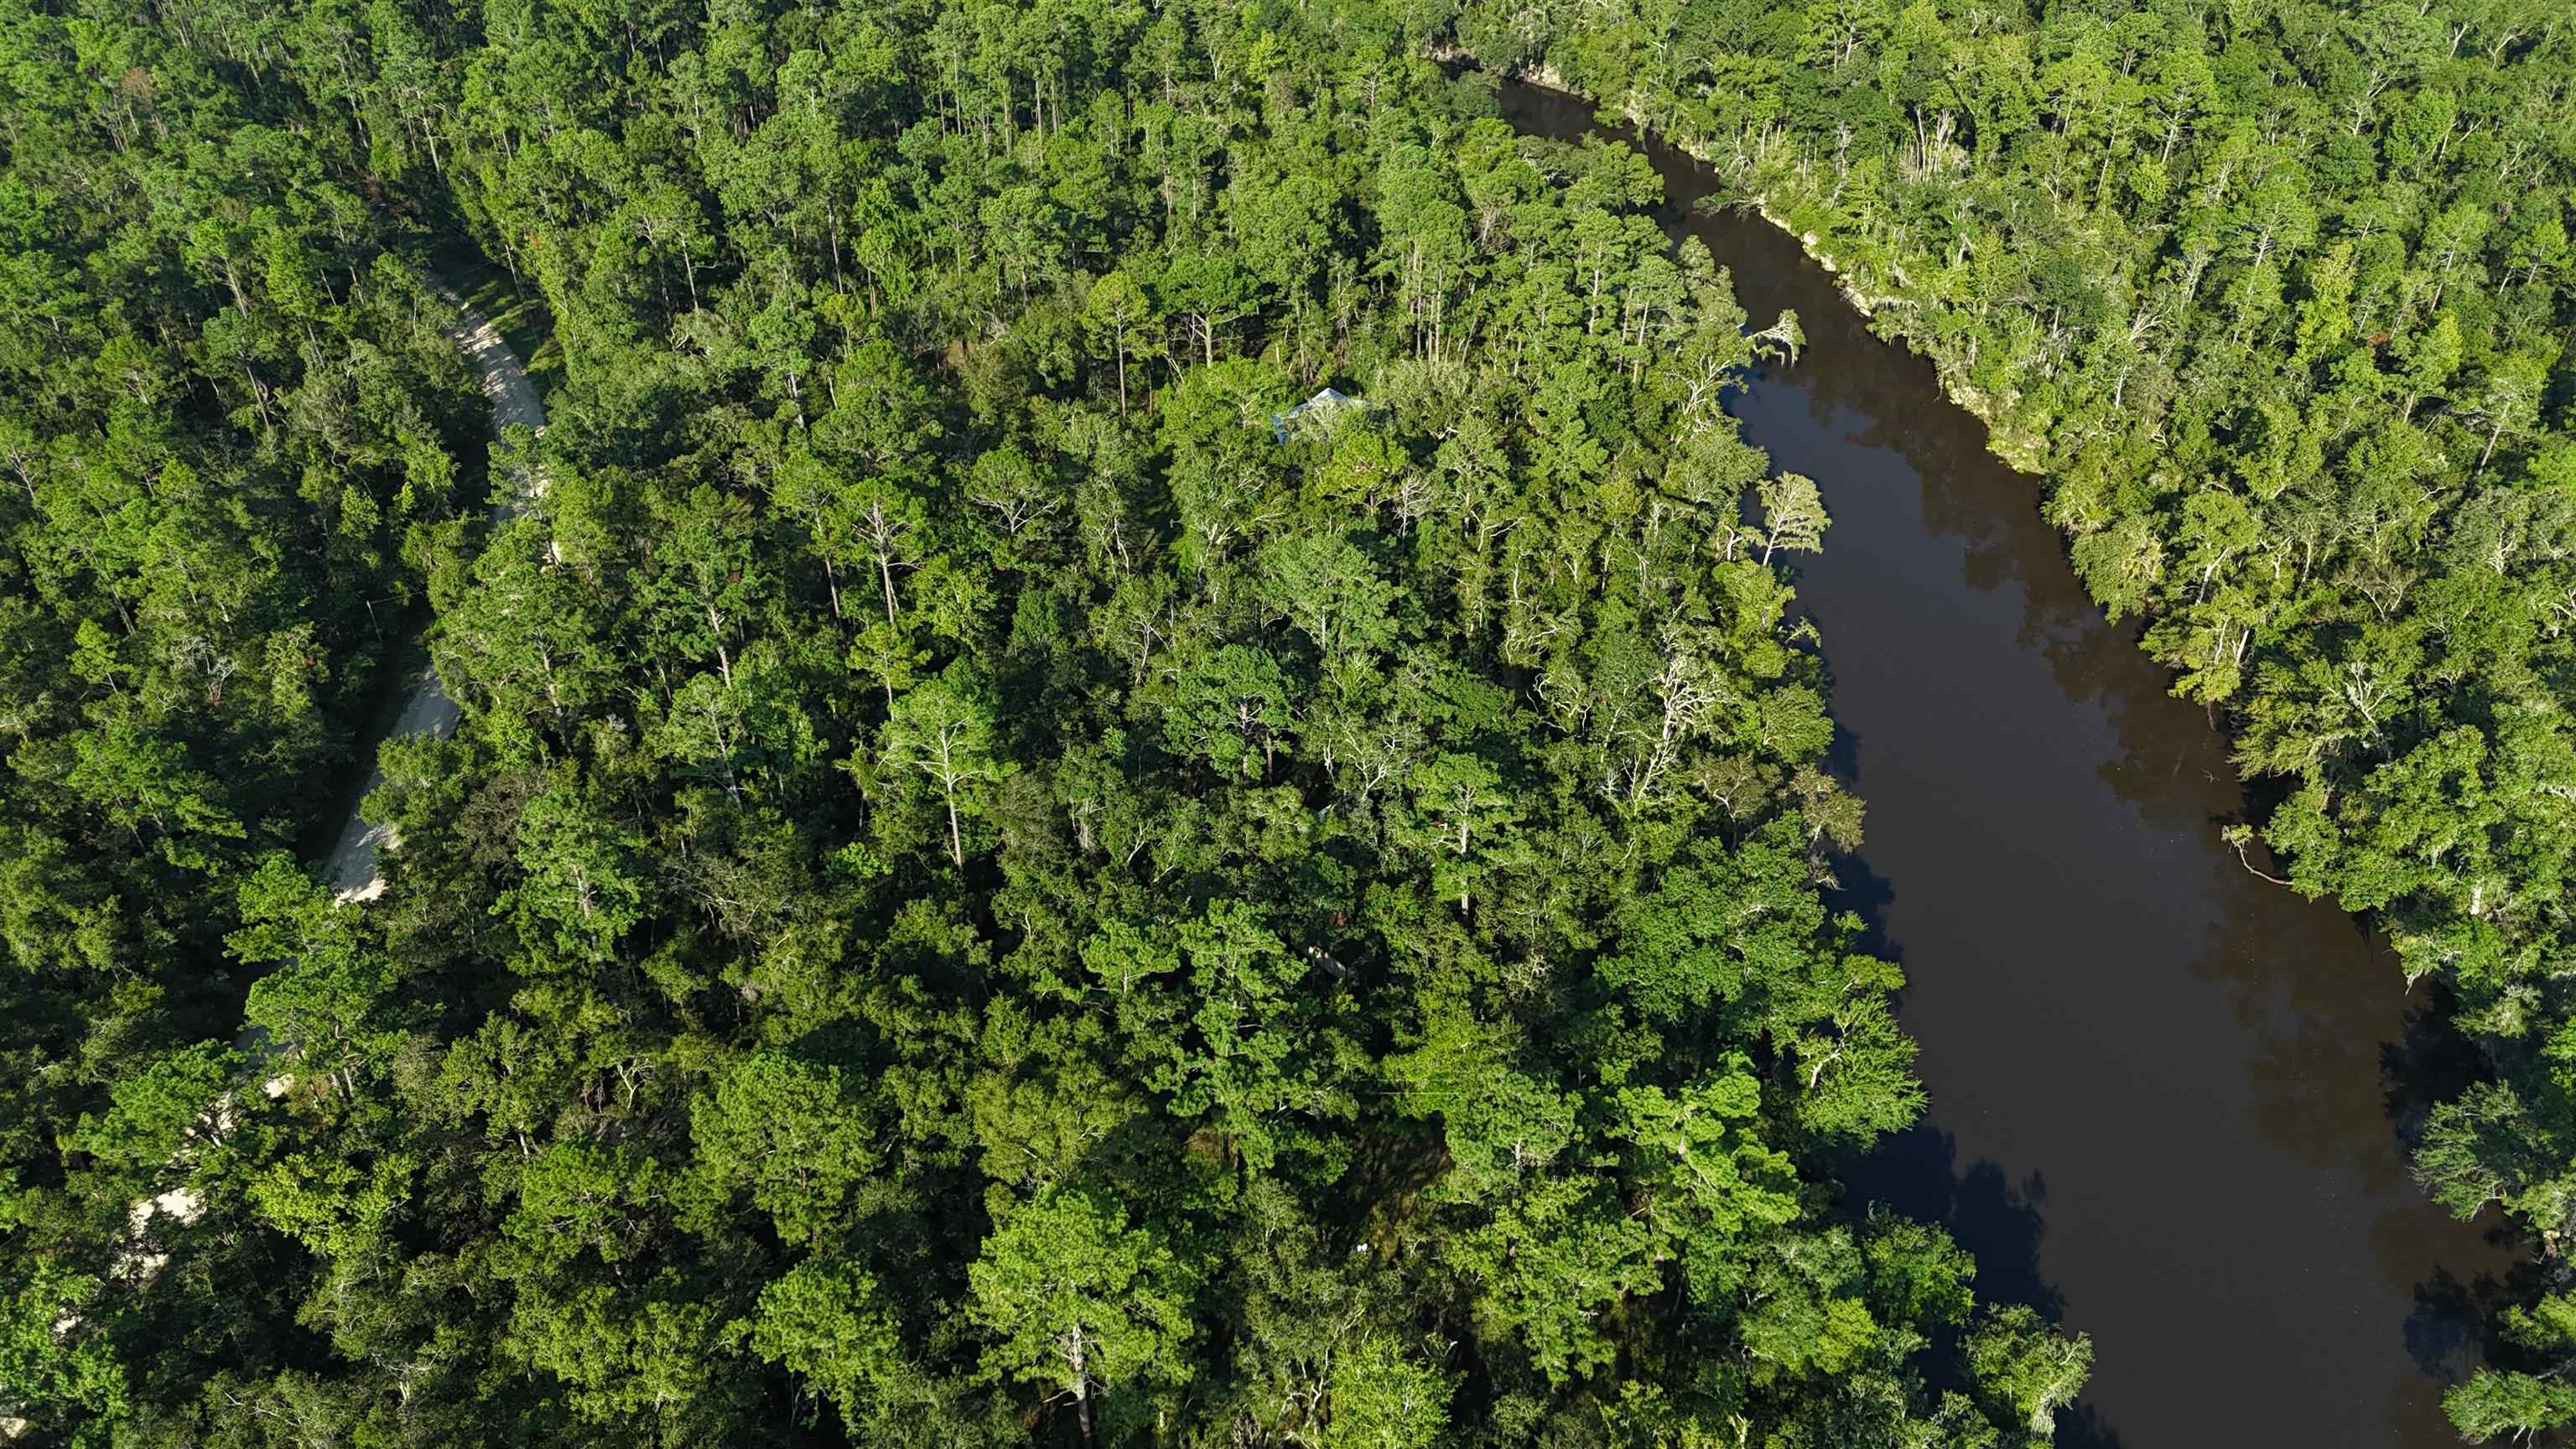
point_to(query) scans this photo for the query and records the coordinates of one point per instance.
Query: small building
(1319, 412)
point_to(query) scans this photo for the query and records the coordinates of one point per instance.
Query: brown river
(2166, 1095)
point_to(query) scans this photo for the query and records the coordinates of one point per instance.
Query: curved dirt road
(351, 866)
(426, 709)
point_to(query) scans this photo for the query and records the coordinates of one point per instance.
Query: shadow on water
(1842, 761)
(1918, 1173)
(2170, 1101)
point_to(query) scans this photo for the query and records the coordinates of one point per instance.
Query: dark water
(2165, 1094)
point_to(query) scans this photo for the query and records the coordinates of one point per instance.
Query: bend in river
(2163, 1091)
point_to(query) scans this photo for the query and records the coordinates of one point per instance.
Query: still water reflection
(2165, 1094)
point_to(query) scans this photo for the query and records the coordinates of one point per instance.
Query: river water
(2164, 1092)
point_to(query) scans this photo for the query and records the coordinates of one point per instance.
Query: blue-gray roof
(1324, 404)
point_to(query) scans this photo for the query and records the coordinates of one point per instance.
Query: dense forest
(1000, 880)
(231, 425)
(1003, 881)
(2277, 296)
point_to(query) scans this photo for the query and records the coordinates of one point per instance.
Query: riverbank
(2158, 1107)
(2025, 453)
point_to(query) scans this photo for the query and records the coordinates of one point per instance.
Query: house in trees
(1317, 413)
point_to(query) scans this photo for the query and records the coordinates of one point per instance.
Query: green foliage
(1074, 1298)
(2278, 301)
(231, 434)
(782, 1129)
(981, 894)
(2495, 1403)
(52, 1363)
(829, 1323)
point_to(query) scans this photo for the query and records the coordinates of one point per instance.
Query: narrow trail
(351, 866)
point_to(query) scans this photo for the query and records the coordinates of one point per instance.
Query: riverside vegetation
(2276, 296)
(995, 884)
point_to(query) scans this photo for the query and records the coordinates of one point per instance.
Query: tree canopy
(982, 893)
(2276, 296)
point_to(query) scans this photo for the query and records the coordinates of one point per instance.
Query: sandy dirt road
(351, 867)
(426, 709)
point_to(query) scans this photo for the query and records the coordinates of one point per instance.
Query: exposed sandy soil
(351, 866)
